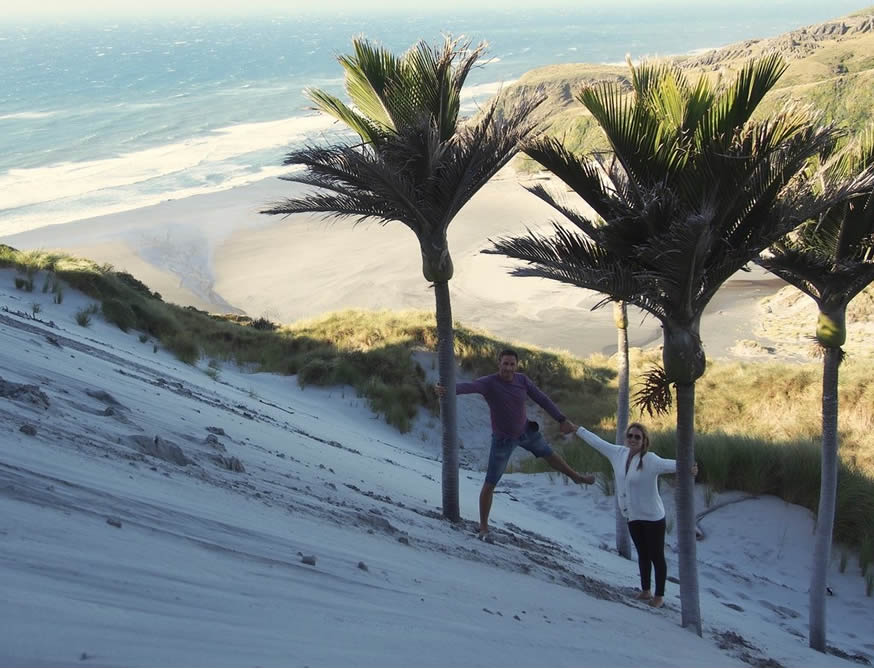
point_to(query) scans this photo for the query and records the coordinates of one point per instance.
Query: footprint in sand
(782, 611)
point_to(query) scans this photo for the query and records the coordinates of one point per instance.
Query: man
(505, 393)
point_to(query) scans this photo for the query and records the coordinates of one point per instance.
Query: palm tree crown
(831, 257)
(692, 191)
(417, 162)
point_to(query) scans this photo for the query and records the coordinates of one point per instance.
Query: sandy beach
(216, 252)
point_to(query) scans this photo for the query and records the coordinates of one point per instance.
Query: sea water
(101, 115)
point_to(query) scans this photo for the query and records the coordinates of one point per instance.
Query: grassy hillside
(831, 67)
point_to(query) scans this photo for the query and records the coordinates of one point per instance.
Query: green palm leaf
(734, 107)
(333, 106)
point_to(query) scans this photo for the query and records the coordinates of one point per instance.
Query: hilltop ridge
(831, 67)
(794, 45)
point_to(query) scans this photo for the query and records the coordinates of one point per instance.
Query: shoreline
(215, 252)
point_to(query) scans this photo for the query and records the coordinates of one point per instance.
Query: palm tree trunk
(825, 515)
(685, 503)
(620, 317)
(446, 370)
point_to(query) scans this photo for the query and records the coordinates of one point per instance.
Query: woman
(636, 471)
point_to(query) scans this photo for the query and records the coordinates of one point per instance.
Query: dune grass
(757, 423)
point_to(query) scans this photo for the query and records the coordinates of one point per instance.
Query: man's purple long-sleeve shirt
(506, 400)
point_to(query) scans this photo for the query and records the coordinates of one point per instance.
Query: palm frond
(477, 152)
(356, 172)
(853, 220)
(758, 184)
(798, 267)
(573, 259)
(333, 106)
(582, 175)
(581, 221)
(567, 257)
(335, 206)
(415, 157)
(422, 94)
(655, 396)
(369, 72)
(649, 77)
(860, 277)
(734, 106)
(632, 133)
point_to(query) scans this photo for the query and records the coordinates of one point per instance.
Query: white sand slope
(130, 536)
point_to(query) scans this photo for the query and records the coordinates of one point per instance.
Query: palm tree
(416, 162)
(620, 317)
(693, 192)
(831, 259)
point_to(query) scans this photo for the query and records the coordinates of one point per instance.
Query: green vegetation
(866, 552)
(83, 316)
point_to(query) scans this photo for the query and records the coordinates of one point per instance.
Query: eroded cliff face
(793, 45)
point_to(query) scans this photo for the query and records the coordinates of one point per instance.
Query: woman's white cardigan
(638, 491)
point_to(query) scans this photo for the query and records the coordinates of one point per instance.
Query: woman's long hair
(644, 447)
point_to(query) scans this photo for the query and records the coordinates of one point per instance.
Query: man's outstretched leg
(485, 507)
(558, 464)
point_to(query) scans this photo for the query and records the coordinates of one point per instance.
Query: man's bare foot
(657, 602)
(485, 535)
(643, 595)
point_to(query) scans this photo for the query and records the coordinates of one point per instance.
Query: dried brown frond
(655, 396)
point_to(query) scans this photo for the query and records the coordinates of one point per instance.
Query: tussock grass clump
(119, 312)
(155, 318)
(184, 347)
(264, 324)
(866, 553)
(83, 316)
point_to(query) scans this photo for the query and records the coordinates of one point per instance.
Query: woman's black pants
(649, 540)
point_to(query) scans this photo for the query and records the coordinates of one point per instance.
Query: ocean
(99, 116)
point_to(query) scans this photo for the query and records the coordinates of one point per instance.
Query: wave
(480, 91)
(186, 160)
(26, 116)
(227, 157)
(96, 204)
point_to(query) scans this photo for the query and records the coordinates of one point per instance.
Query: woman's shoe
(657, 602)
(643, 595)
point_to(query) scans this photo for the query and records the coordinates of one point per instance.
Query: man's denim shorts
(502, 448)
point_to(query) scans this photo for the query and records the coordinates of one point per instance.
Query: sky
(136, 8)
(73, 8)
